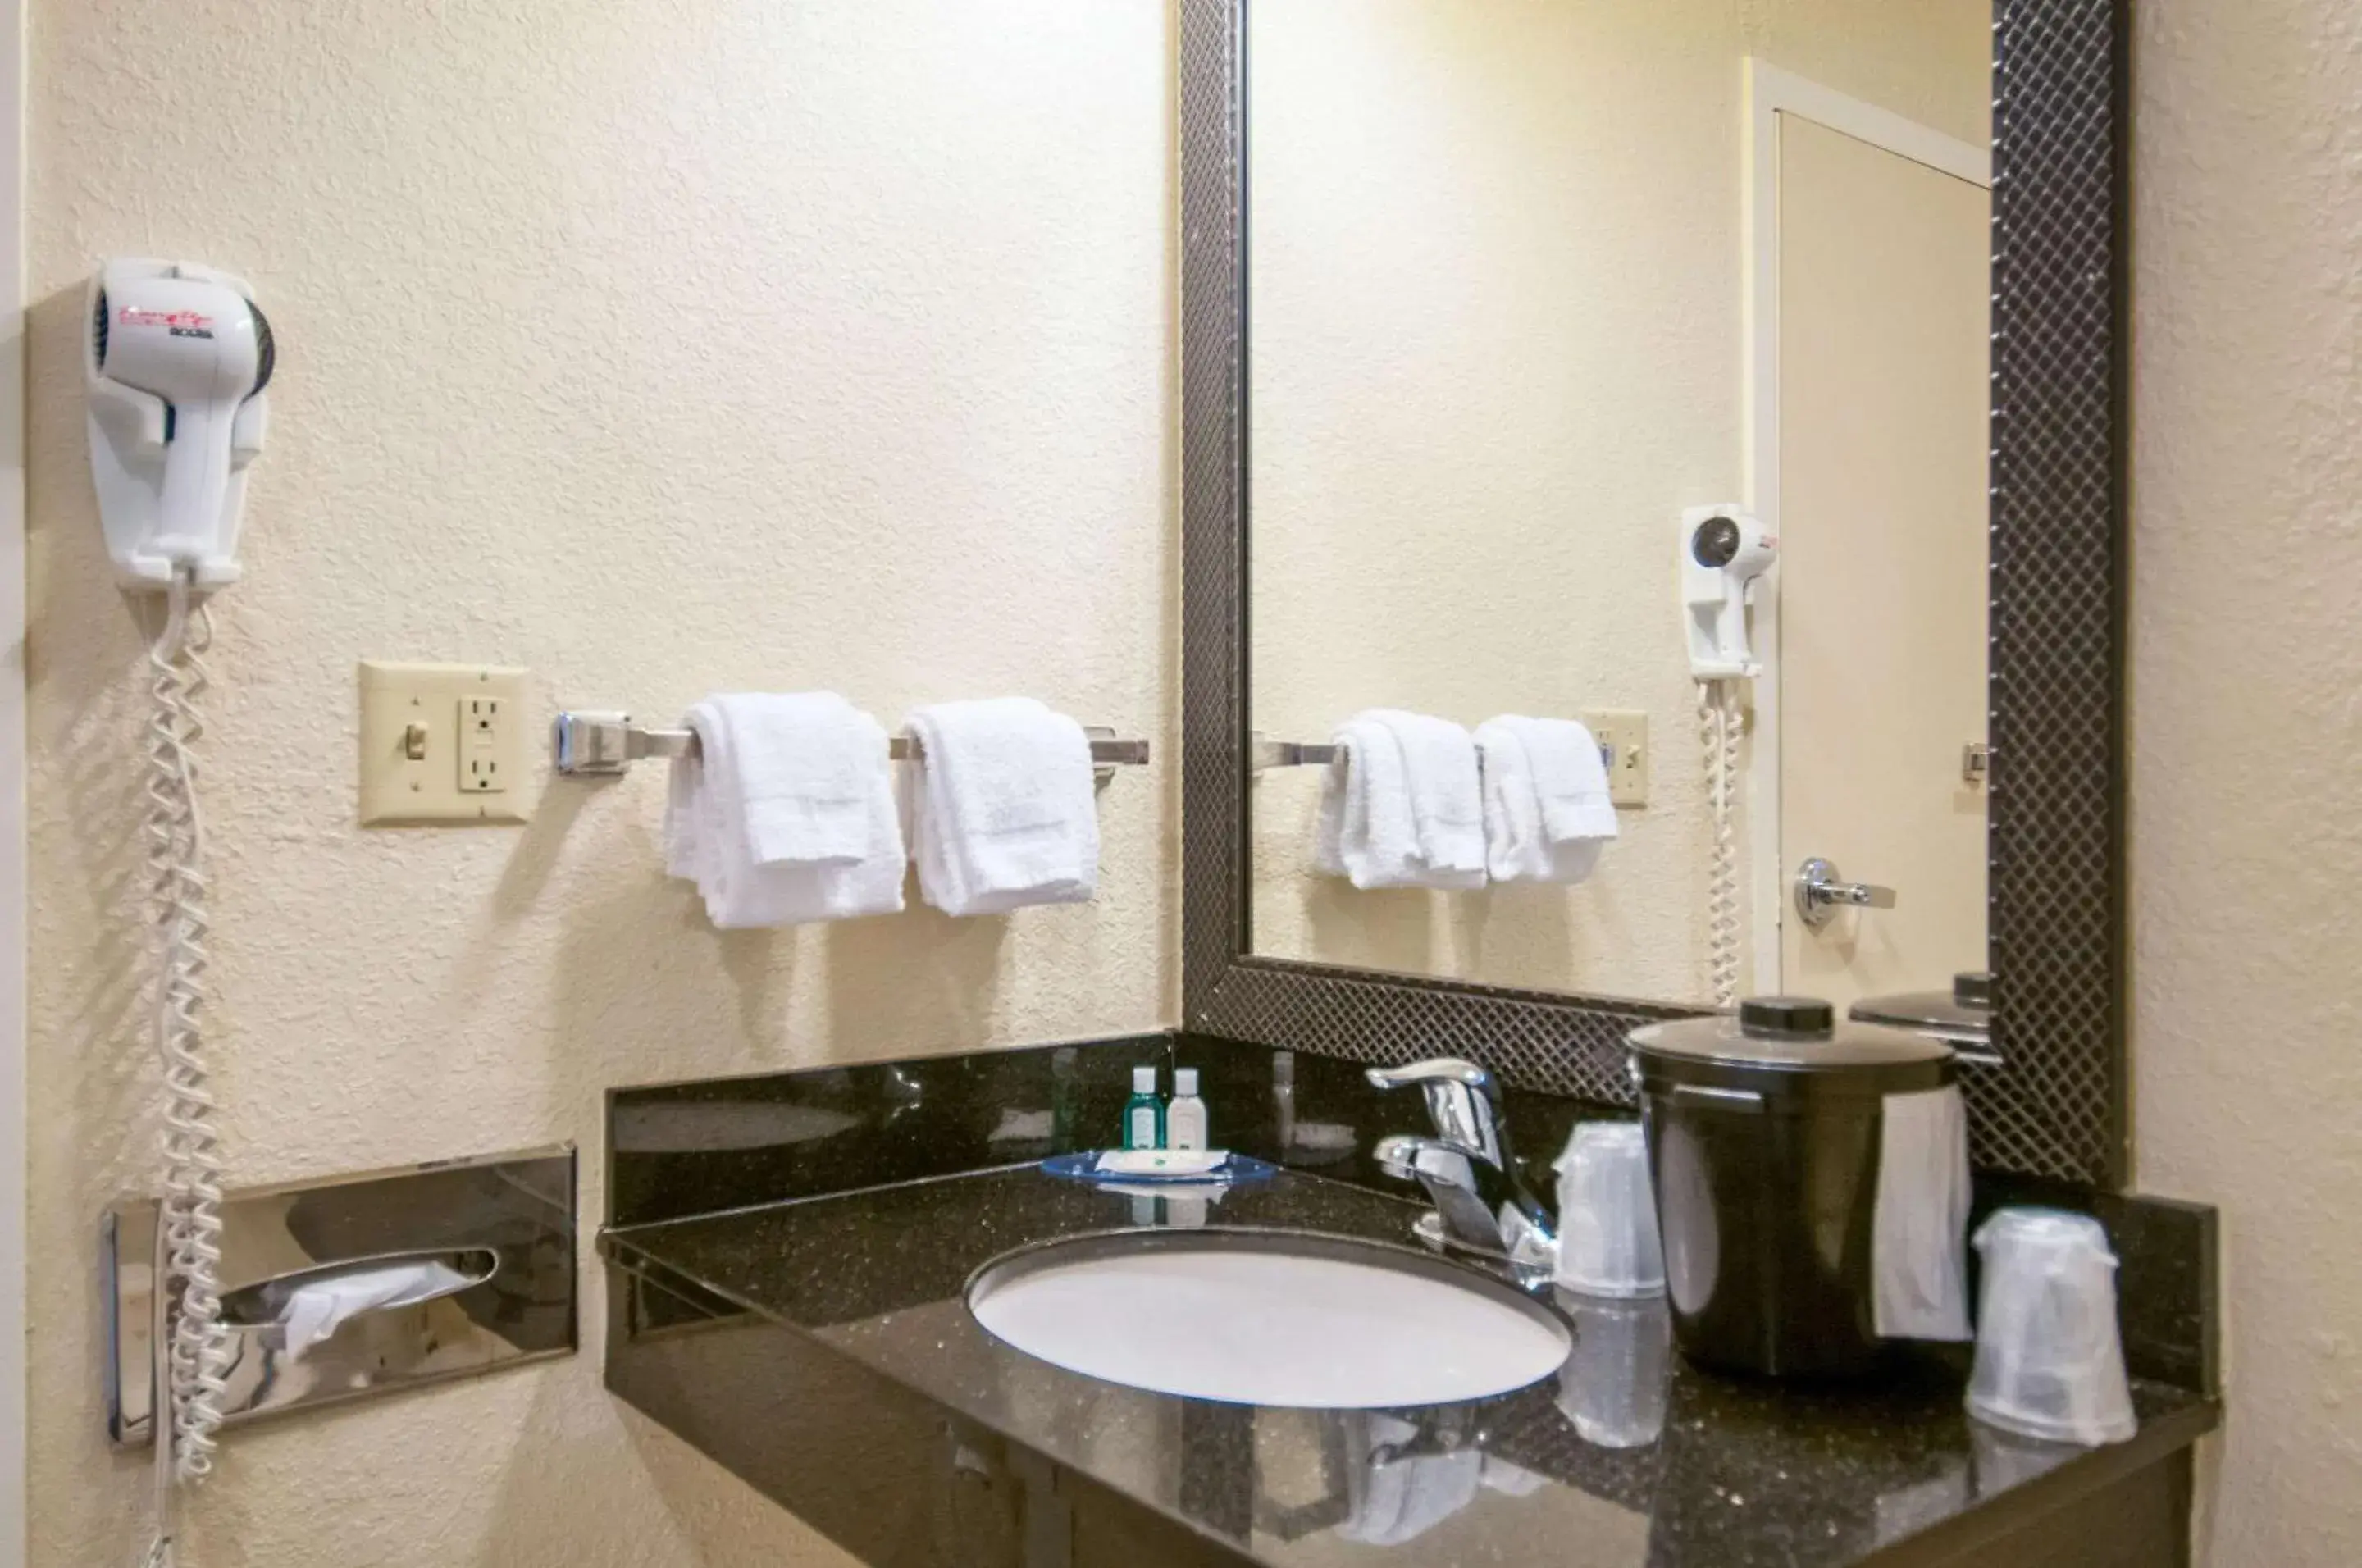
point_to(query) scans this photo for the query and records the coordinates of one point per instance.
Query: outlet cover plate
(1623, 737)
(405, 781)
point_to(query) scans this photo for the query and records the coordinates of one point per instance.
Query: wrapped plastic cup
(1608, 1242)
(2050, 1363)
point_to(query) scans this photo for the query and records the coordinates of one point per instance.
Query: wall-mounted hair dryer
(177, 358)
(1722, 552)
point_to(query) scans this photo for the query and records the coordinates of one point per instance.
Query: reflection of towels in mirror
(719, 1126)
(1402, 805)
(1394, 1495)
(1547, 810)
(1511, 1480)
(1022, 1127)
(1909, 1510)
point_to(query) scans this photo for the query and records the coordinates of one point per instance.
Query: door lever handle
(1821, 893)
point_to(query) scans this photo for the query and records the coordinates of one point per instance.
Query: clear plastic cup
(1615, 1384)
(2050, 1363)
(1608, 1242)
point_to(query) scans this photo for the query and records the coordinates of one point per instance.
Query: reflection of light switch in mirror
(1623, 737)
(442, 742)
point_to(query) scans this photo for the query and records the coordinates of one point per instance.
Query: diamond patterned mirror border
(2059, 1108)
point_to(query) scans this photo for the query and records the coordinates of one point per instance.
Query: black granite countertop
(1628, 1456)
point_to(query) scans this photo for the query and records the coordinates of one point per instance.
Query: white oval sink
(1311, 1322)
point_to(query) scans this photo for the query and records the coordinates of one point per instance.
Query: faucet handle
(1462, 1099)
(1445, 1069)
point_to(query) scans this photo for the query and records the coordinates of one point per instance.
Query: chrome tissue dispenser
(495, 1236)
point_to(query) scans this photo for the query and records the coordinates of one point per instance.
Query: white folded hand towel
(810, 765)
(1402, 806)
(1547, 815)
(831, 856)
(1004, 806)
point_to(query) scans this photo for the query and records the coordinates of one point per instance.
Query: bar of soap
(1162, 1162)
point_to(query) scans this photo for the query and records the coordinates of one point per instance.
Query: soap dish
(1155, 1166)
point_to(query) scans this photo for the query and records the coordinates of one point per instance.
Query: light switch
(442, 742)
(1623, 737)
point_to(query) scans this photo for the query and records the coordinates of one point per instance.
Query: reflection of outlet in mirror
(1623, 737)
(442, 742)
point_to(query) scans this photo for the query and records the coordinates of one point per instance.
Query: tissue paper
(317, 1310)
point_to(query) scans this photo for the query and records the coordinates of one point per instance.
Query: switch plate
(442, 742)
(1623, 737)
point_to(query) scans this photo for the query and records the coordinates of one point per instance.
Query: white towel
(1402, 806)
(1546, 812)
(713, 805)
(810, 765)
(1919, 1226)
(1004, 806)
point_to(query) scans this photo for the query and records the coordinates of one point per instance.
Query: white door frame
(1770, 94)
(15, 1455)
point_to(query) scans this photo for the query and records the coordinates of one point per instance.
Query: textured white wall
(2246, 657)
(661, 348)
(1498, 287)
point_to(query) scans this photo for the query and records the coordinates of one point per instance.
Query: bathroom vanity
(788, 1285)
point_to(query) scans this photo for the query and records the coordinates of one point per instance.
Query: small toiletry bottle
(1143, 1114)
(1185, 1118)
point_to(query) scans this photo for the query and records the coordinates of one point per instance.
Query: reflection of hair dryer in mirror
(1723, 550)
(176, 361)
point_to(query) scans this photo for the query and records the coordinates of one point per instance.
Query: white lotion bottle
(1185, 1116)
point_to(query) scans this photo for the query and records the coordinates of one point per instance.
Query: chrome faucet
(1468, 1168)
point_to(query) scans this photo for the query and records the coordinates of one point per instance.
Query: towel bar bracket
(1263, 754)
(590, 743)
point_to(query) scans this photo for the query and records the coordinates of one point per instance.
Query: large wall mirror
(1529, 282)
(1652, 367)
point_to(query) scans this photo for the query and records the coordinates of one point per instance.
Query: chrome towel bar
(591, 743)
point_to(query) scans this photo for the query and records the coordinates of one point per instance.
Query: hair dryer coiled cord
(1718, 725)
(193, 1382)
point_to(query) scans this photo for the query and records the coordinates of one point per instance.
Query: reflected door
(1883, 269)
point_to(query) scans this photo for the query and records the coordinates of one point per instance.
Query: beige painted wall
(1497, 288)
(2246, 657)
(660, 349)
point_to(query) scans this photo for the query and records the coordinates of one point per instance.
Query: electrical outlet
(442, 742)
(483, 740)
(1623, 737)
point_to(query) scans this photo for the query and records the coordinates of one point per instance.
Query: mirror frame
(2057, 1107)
